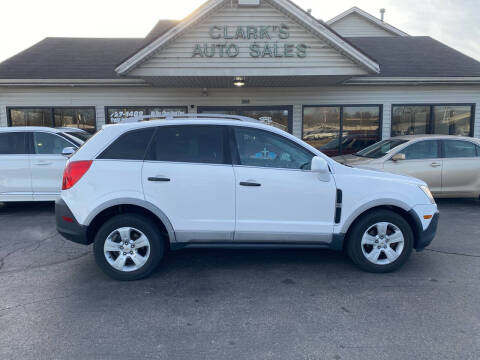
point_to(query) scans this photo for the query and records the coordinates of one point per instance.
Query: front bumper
(68, 226)
(424, 237)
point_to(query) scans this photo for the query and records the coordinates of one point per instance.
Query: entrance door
(278, 116)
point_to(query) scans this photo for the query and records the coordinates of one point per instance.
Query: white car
(135, 190)
(31, 162)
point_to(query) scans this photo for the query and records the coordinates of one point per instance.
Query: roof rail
(182, 116)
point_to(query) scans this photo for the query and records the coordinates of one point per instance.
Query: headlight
(427, 192)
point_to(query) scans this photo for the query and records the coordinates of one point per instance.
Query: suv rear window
(188, 143)
(129, 146)
(12, 143)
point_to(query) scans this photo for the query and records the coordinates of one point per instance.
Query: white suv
(137, 189)
(31, 161)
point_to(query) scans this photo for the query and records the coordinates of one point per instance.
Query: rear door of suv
(47, 164)
(15, 179)
(188, 174)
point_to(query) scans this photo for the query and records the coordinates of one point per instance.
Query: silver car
(450, 165)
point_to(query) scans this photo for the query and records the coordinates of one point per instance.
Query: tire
(138, 261)
(370, 237)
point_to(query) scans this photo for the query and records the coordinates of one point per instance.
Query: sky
(25, 22)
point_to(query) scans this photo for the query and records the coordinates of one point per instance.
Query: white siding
(105, 96)
(357, 26)
(176, 58)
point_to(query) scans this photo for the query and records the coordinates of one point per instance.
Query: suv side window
(131, 145)
(264, 149)
(189, 143)
(13, 143)
(426, 149)
(459, 149)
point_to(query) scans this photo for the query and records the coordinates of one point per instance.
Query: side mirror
(68, 151)
(398, 157)
(320, 166)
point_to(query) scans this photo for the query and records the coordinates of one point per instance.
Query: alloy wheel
(126, 249)
(382, 243)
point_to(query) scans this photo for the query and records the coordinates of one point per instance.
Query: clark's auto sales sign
(266, 41)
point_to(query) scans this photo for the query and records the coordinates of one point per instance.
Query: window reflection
(78, 118)
(82, 117)
(452, 120)
(410, 120)
(278, 118)
(360, 128)
(321, 128)
(31, 117)
(432, 119)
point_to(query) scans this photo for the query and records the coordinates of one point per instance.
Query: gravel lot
(238, 304)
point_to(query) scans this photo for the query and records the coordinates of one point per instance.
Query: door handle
(158, 179)
(43, 163)
(435, 164)
(249, 183)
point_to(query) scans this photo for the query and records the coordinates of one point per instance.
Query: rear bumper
(68, 226)
(424, 237)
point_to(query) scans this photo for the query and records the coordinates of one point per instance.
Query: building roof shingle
(97, 58)
(416, 56)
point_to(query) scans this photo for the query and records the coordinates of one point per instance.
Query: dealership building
(339, 85)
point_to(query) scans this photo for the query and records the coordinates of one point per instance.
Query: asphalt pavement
(55, 303)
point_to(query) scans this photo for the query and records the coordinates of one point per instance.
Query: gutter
(412, 80)
(73, 82)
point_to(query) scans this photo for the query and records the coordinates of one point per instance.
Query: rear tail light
(74, 172)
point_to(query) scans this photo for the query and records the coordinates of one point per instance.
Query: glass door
(278, 116)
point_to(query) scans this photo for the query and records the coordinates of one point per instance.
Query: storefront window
(114, 113)
(275, 116)
(82, 117)
(452, 120)
(432, 119)
(321, 128)
(336, 130)
(410, 120)
(78, 118)
(30, 117)
(361, 128)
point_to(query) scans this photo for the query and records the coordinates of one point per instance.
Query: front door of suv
(188, 174)
(277, 197)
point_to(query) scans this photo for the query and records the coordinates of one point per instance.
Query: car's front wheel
(128, 247)
(381, 241)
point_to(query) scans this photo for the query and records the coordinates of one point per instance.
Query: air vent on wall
(248, 2)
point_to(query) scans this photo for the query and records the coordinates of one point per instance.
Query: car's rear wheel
(128, 247)
(381, 241)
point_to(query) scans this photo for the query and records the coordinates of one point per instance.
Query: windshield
(380, 149)
(82, 136)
